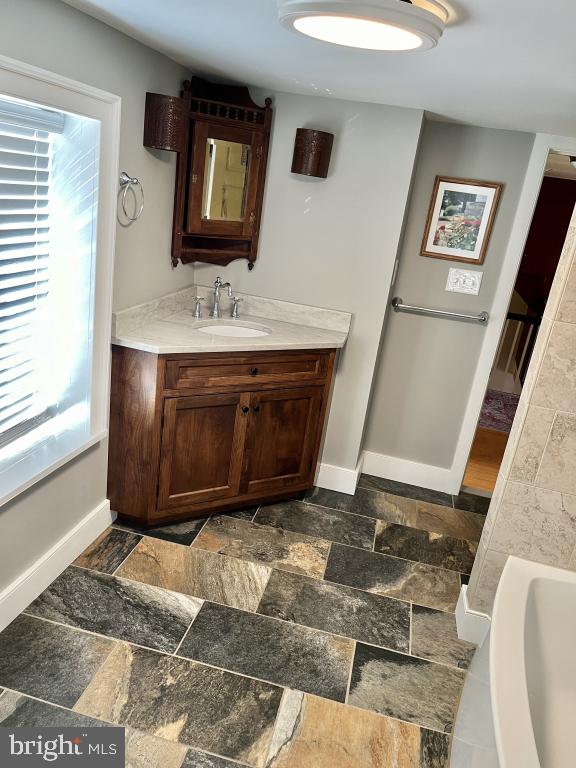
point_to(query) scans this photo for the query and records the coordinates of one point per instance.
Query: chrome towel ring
(129, 182)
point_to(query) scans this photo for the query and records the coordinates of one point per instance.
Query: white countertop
(179, 333)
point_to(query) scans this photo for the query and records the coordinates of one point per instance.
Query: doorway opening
(542, 252)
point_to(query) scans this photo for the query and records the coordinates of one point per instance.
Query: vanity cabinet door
(283, 438)
(202, 448)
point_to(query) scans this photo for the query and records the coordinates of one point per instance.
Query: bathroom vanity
(210, 414)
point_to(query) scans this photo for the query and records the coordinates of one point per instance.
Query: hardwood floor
(485, 459)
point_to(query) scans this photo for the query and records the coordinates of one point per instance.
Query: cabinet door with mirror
(222, 198)
(221, 137)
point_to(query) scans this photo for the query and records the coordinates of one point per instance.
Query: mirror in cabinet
(221, 137)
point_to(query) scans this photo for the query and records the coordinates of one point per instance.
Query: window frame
(26, 82)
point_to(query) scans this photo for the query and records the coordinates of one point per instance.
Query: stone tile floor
(309, 634)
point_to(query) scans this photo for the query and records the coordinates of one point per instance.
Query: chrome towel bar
(399, 306)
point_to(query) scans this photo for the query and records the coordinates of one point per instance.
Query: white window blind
(25, 184)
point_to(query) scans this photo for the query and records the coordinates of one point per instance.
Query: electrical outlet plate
(464, 281)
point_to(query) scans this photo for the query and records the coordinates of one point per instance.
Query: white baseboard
(472, 625)
(338, 478)
(411, 472)
(34, 580)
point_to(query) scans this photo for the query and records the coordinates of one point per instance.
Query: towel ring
(127, 182)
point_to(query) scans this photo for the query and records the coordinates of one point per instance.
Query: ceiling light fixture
(376, 25)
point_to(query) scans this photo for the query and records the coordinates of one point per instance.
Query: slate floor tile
(108, 551)
(337, 609)
(186, 531)
(142, 749)
(434, 637)
(186, 702)
(264, 544)
(318, 733)
(365, 502)
(320, 522)
(119, 608)
(403, 489)
(401, 686)
(459, 523)
(178, 533)
(394, 577)
(49, 661)
(425, 547)
(195, 572)
(472, 502)
(195, 759)
(273, 650)
(19, 711)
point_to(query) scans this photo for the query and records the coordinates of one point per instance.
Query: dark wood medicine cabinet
(222, 138)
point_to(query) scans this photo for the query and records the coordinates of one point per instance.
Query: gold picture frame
(460, 219)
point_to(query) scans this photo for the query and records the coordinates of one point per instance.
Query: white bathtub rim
(513, 726)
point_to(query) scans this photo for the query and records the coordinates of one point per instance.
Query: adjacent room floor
(307, 634)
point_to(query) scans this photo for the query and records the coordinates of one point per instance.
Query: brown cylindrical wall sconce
(312, 150)
(164, 122)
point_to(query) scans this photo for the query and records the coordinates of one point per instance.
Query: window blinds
(25, 165)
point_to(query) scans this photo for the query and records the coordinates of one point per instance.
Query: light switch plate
(464, 281)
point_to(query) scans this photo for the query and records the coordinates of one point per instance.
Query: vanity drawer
(234, 370)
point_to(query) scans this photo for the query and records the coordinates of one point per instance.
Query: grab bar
(399, 306)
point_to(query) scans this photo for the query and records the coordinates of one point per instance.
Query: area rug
(498, 410)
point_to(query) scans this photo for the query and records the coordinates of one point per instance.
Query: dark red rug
(498, 410)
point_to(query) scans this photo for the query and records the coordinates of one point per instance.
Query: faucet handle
(236, 300)
(198, 306)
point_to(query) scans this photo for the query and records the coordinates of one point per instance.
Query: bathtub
(518, 706)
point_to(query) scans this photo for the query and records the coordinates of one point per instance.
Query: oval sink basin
(237, 331)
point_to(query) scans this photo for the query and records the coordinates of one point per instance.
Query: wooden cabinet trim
(309, 436)
(245, 370)
(167, 500)
(138, 424)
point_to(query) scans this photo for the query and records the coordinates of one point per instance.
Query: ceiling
(503, 64)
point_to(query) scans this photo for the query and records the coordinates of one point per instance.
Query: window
(25, 185)
(49, 163)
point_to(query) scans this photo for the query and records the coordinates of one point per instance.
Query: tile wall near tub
(533, 510)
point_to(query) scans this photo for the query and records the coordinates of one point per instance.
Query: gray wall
(49, 34)
(426, 366)
(333, 242)
(56, 37)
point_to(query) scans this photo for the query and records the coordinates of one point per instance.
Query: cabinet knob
(254, 372)
(256, 409)
(245, 409)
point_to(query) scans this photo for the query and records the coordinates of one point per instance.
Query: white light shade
(378, 25)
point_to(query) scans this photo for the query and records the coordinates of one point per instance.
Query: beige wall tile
(567, 309)
(556, 297)
(536, 517)
(535, 523)
(492, 515)
(537, 359)
(482, 598)
(531, 444)
(556, 382)
(559, 459)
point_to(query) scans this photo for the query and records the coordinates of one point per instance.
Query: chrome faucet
(218, 285)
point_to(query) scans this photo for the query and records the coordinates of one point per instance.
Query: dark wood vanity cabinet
(195, 434)
(221, 137)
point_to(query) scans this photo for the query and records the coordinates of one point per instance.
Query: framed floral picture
(460, 219)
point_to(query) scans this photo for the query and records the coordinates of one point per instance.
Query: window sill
(20, 471)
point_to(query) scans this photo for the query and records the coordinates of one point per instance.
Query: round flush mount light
(376, 25)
